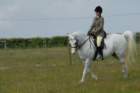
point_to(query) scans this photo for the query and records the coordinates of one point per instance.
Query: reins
(79, 46)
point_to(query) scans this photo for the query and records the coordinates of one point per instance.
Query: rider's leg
(101, 52)
(99, 45)
(97, 49)
(96, 53)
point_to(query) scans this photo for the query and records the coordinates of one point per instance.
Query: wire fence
(58, 41)
(68, 18)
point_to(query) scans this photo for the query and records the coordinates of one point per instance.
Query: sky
(47, 18)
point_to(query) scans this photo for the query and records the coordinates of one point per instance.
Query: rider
(97, 30)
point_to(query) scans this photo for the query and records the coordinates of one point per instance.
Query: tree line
(57, 41)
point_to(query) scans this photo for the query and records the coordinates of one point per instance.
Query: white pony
(117, 44)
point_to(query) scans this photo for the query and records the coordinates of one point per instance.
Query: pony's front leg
(87, 64)
(94, 76)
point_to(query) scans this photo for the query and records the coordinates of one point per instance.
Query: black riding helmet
(99, 9)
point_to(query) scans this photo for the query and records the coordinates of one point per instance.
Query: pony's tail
(131, 51)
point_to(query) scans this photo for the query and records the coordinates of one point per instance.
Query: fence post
(69, 53)
(70, 57)
(5, 44)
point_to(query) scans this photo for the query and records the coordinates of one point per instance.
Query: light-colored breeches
(99, 40)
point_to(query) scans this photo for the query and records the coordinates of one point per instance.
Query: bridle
(78, 46)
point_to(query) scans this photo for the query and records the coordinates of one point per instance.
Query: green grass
(48, 71)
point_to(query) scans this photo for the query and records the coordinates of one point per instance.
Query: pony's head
(73, 41)
(76, 41)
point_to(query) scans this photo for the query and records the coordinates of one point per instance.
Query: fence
(58, 41)
(34, 42)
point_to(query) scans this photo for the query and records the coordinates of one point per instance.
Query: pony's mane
(78, 34)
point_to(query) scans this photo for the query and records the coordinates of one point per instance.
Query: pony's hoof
(94, 77)
(81, 82)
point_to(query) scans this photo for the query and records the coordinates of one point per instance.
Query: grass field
(48, 71)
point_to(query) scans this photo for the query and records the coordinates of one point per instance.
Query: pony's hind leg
(125, 70)
(124, 66)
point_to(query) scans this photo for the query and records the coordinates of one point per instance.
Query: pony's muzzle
(73, 51)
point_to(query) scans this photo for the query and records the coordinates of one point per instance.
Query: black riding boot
(99, 50)
(101, 53)
(96, 53)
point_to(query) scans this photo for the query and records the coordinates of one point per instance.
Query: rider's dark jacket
(97, 27)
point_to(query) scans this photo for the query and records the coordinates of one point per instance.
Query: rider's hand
(89, 33)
